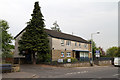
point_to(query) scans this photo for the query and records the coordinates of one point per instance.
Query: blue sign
(97, 53)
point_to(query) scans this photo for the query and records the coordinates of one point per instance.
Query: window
(62, 42)
(68, 43)
(85, 45)
(75, 43)
(68, 54)
(85, 54)
(62, 54)
(81, 54)
(79, 45)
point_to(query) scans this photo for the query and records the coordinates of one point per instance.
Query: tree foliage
(94, 48)
(56, 27)
(34, 39)
(112, 52)
(118, 52)
(6, 39)
(102, 52)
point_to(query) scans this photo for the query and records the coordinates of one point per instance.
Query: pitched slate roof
(61, 35)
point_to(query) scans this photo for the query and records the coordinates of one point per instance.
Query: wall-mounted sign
(60, 60)
(62, 54)
(68, 60)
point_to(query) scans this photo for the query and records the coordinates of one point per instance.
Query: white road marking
(116, 74)
(76, 72)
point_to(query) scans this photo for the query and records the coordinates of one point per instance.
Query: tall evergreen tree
(34, 39)
(5, 39)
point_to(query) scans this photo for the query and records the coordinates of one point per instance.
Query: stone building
(62, 45)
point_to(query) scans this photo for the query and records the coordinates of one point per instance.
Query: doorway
(78, 55)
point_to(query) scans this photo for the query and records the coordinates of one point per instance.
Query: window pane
(79, 45)
(86, 54)
(75, 43)
(62, 42)
(81, 54)
(68, 43)
(68, 54)
(85, 45)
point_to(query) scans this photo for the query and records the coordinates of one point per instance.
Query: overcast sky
(82, 17)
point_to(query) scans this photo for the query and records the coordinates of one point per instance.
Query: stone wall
(103, 63)
(85, 64)
(69, 65)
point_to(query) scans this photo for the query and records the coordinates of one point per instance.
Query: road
(38, 71)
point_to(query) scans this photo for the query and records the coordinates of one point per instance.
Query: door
(77, 55)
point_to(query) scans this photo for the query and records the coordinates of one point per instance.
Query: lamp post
(91, 46)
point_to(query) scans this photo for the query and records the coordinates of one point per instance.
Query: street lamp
(91, 46)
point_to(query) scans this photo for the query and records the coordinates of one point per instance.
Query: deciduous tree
(5, 39)
(112, 51)
(56, 27)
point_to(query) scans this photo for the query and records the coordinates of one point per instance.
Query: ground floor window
(62, 54)
(81, 54)
(68, 54)
(84, 56)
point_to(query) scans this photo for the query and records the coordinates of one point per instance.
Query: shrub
(72, 60)
(7, 55)
(44, 58)
(47, 57)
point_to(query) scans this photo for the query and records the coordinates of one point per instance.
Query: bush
(72, 60)
(44, 58)
(47, 57)
(7, 55)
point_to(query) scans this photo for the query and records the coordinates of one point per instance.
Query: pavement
(46, 71)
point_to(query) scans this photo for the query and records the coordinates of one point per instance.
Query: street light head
(98, 32)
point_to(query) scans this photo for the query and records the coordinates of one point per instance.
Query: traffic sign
(97, 53)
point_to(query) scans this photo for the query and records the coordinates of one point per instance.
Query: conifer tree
(34, 40)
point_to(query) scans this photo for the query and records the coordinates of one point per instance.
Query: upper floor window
(68, 54)
(75, 43)
(85, 45)
(79, 45)
(68, 43)
(62, 42)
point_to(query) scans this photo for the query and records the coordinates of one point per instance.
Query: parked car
(116, 61)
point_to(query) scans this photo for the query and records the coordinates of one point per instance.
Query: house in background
(62, 45)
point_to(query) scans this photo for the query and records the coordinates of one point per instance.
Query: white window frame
(86, 54)
(62, 42)
(68, 43)
(68, 54)
(81, 54)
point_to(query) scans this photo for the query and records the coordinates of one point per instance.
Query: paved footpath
(19, 75)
